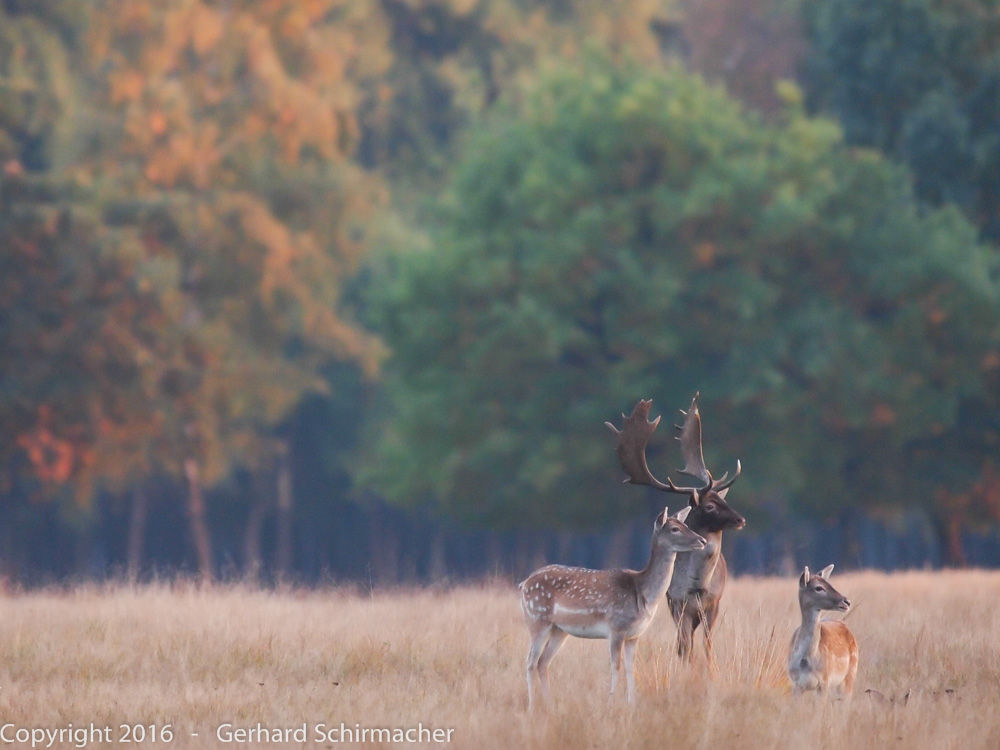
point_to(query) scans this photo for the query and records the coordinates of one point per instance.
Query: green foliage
(184, 199)
(623, 232)
(919, 80)
(37, 98)
(453, 59)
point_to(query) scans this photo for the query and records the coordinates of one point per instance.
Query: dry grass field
(453, 659)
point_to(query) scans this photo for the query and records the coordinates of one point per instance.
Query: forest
(344, 290)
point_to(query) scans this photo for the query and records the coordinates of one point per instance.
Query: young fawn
(559, 601)
(823, 654)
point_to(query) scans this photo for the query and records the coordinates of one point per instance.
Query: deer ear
(723, 492)
(682, 514)
(661, 519)
(804, 578)
(825, 573)
(695, 499)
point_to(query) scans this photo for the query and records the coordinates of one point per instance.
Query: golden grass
(454, 659)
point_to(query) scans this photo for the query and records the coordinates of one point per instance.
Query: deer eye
(710, 507)
(818, 589)
(674, 530)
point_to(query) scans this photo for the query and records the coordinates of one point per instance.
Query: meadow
(212, 662)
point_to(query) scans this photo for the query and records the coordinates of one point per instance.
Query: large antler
(690, 439)
(631, 449)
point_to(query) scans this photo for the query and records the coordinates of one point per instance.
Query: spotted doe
(560, 601)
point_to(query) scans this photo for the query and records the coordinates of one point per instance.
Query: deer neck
(695, 569)
(807, 638)
(713, 546)
(699, 524)
(654, 578)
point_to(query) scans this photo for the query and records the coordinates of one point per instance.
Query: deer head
(710, 511)
(671, 532)
(816, 592)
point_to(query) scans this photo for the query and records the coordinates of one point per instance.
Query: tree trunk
(384, 550)
(565, 545)
(284, 552)
(6, 545)
(253, 561)
(199, 525)
(437, 563)
(955, 545)
(529, 554)
(494, 554)
(139, 510)
(84, 552)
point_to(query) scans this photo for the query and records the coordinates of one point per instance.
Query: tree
(749, 45)
(58, 288)
(218, 151)
(68, 316)
(452, 59)
(622, 231)
(919, 80)
(71, 400)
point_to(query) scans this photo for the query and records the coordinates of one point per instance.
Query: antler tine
(683, 490)
(724, 485)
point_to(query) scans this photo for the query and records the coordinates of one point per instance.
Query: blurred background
(344, 290)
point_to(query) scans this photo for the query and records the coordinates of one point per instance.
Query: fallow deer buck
(823, 654)
(699, 576)
(560, 601)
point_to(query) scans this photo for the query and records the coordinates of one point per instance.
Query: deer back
(583, 602)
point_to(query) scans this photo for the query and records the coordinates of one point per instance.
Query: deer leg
(678, 611)
(556, 640)
(852, 672)
(615, 643)
(696, 619)
(709, 655)
(707, 616)
(538, 641)
(848, 686)
(685, 635)
(630, 668)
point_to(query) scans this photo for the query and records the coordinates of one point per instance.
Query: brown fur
(835, 642)
(823, 655)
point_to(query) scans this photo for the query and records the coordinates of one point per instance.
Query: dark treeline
(383, 546)
(345, 290)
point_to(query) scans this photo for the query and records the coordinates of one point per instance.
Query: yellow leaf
(208, 27)
(125, 86)
(157, 123)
